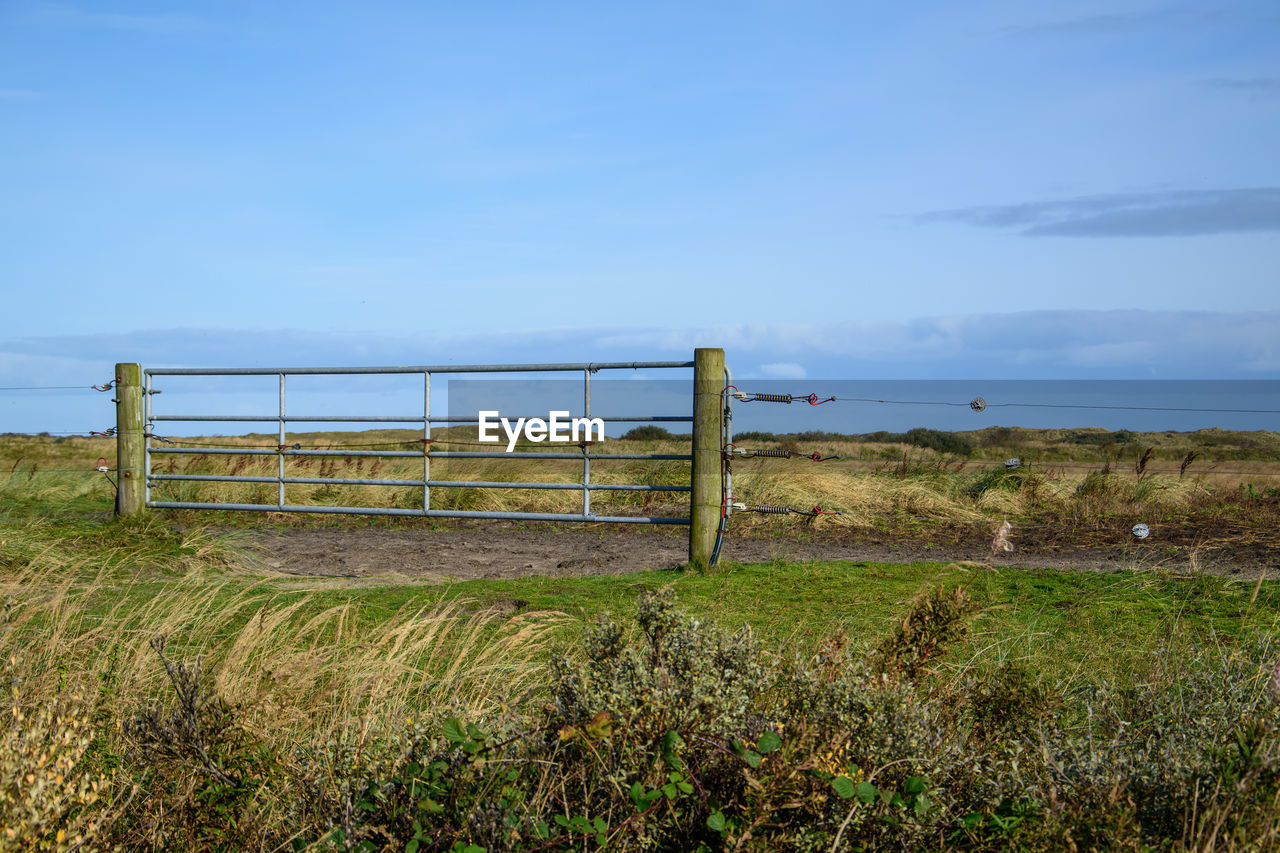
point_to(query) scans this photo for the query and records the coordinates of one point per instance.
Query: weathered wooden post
(130, 441)
(705, 499)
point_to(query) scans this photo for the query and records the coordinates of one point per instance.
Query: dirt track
(498, 549)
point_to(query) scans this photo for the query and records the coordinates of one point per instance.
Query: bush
(999, 437)
(648, 432)
(755, 435)
(204, 770)
(51, 796)
(932, 439)
(1025, 476)
(811, 436)
(1098, 438)
(943, 442)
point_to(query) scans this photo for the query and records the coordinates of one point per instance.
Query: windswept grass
(84, 606)
(311, 661)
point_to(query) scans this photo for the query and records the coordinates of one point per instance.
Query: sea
(863, 406)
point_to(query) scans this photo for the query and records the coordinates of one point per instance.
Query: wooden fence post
(705, 498)
(130, 441)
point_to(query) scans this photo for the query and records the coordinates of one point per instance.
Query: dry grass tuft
(77, 642)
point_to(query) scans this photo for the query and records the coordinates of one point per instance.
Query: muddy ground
(495, 549)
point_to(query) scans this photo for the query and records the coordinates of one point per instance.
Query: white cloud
(1157, 214)
(1091, 25)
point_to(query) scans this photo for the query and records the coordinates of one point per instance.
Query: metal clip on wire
(818, 510)
(103, 469)
(783, 510)
(747, 453)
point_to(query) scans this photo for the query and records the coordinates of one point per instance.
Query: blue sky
(846, 189)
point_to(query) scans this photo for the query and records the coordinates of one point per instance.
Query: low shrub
(1098, 438)
(756, 435)
(52, 797)
(943, 442)
(647, 432)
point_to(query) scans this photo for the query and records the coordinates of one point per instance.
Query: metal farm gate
(139, 445)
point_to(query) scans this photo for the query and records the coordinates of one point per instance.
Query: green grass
(1061, 622)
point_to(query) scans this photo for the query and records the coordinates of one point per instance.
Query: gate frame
(134, 420)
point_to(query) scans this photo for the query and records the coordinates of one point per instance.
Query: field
(1073, 500)
(878, 679)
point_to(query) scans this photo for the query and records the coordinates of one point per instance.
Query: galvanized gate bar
(365, 481)
(146, 443)
(431, 513)
(411, 419)
(586, 460)
(426, 441)
(516, 454)
(435, 368)
(280, 500)
(438, 454)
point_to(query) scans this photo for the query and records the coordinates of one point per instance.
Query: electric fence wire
(86, 433)
(106, 386)
(978, 404)
(962, 463)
